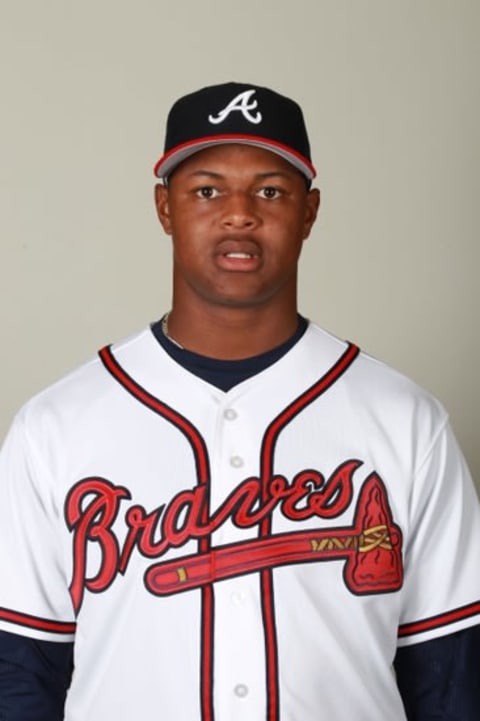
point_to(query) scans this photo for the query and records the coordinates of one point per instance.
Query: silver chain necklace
(164, 327)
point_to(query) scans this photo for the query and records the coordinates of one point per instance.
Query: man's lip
(239, 254)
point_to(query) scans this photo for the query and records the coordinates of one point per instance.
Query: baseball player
(233, 514)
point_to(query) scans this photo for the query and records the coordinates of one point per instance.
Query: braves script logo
(241, 104)
(371, 546)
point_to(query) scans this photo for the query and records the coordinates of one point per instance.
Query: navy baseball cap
(236, 113)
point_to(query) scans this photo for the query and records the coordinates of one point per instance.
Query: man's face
(238, 216)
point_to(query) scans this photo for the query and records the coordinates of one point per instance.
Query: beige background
(390, 91)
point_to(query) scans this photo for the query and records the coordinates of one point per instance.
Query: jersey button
(241, 690)
(229, 414)
(236, 461)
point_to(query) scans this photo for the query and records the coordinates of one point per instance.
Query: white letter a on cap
(241, 103)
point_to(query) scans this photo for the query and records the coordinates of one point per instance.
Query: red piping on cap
(207, 141)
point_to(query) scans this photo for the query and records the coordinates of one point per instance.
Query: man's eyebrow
(210, 173)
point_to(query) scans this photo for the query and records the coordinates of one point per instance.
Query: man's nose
(240, 211)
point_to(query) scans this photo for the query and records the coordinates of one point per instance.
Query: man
(233, 514)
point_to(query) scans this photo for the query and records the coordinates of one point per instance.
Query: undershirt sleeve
(34, 678)
(439, 680)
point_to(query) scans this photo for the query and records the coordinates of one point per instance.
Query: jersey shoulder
(371, 384)
(81, 388)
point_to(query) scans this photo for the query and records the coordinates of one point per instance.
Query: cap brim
(177, 155)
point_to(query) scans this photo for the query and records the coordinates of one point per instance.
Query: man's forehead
(230, 159)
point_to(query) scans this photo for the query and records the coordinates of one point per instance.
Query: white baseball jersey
(252, 554)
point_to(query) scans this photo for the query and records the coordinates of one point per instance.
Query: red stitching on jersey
(266, 472)
(442, 619)
(183, 424)
(271, 645)
(203, 476)
(41, 624)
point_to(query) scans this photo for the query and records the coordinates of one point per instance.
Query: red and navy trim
(36, 622)
(200, 453)
(266, 472)
(440, 620)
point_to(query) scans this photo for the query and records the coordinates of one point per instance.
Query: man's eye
(269, 193)
(207, 192)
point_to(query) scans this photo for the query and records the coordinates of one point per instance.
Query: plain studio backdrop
(390, 91)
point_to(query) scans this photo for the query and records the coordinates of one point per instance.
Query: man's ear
(312, 207)
(163, 210)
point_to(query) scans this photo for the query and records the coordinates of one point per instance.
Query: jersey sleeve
(441, 593)
(34, 597)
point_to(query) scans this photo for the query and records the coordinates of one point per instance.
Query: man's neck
(231, 333)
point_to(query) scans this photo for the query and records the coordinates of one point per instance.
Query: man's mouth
(238, 254)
